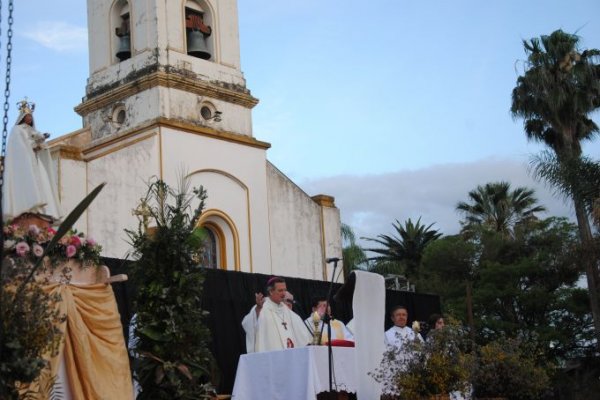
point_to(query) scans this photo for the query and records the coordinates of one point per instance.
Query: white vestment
(249, 325)
(279, 328)
(29, 183)
(396, 336)
(338, 329)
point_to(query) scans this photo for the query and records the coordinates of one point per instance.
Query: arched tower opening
(120, 19)
(199, 24)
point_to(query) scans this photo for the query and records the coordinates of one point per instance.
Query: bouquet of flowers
(28, 244)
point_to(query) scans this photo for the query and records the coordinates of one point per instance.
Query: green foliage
(30, 322)
(527, 290)
(556, 96)
(352, 254)
(415, 370)
(406, 248)
(558, 90)
(578, 177)
(507, 369)
(173, 360)
(496, 207)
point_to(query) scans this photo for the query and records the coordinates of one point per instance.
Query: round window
(206, 112)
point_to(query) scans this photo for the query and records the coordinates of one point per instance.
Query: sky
(396, 108)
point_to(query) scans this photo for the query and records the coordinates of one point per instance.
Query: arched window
(210, 254)
(198, 28)
(121, 21)
(214, 254)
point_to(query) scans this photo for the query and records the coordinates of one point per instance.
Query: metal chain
(9, 35)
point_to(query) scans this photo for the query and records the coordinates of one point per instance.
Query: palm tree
(407, 247)
(555, 96)
(578, 177)
(496, 207)
(352, 254)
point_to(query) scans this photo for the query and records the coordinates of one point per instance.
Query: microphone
(332, 259)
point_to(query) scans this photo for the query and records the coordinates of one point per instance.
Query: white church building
(166, 94)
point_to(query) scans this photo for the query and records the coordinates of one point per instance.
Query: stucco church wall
(72, 189)
(295, 224)
(333, 243)
(242, 163)
(186, 106)
(226, 195)
(126, 172)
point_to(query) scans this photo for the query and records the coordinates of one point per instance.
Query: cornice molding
(324, 200)
(168, 80)
(162, 122)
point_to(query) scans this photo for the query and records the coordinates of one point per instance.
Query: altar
(300, 373)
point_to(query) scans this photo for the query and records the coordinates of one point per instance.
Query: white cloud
(59, 36)
(370, 203)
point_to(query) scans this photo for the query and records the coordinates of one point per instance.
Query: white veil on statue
(29, 175)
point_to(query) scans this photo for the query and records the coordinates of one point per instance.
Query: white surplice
(278, 327)
(397, 336)
(29, 183)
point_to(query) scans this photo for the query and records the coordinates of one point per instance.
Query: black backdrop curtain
(229, 295)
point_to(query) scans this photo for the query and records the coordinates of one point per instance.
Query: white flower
(9, 244)
(416, 326)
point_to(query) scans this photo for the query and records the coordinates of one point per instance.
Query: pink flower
(37, 250)
(71, 250)
(75, 241)
(34, 230)
(22, 249)
(51, 232)
(90, 242)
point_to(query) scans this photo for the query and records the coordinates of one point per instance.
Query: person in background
(399, 334)
(338, 329)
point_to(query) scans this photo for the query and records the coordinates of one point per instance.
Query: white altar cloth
(298, 374)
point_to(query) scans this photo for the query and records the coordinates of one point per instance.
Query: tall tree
(555, 96)
(405, 248)
(454, 259)
(496, 207)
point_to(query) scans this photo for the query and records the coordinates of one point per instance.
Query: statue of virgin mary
(29, 176)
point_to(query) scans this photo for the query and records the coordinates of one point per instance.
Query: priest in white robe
(278, 327)
(29, 178)
(400, 334)
(249, 322)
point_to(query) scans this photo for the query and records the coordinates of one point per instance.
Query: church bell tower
(175, 61)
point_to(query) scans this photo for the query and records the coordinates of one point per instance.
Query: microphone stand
(327, 320)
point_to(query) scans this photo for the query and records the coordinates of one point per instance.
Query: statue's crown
(26, 107)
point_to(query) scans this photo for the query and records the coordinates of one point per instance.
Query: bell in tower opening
(197, 34)
(123, 32)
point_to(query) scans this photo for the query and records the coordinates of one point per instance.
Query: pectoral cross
(284, 325)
